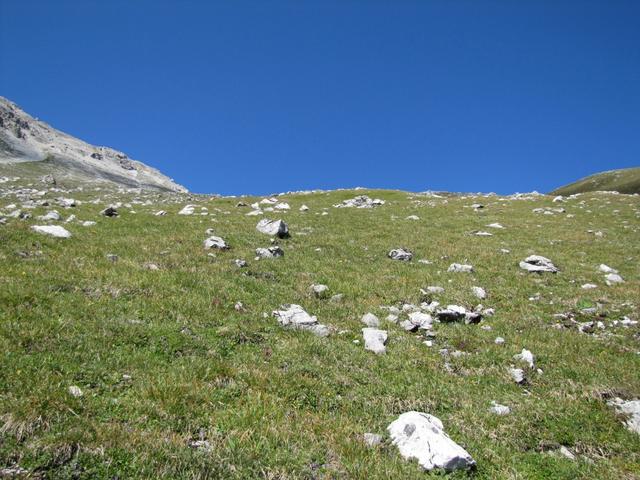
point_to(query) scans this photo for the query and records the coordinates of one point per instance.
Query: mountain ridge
(29, 145)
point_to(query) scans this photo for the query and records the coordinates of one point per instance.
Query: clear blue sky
(266, 96)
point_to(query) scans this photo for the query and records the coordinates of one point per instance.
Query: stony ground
(131, 351)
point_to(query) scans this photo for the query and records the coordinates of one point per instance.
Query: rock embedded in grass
(479, 292)
(75, 391)
(613, 278)
(525, 356)
(498, 409)
(215, 242)
(518, 376)
(269, 252)
(295, 317)
(375, 340)
(370, 320)
(538, 263)
(187, 210)
(276, 228)
(421, 436)
(630, 409)
(460, 268)
(372, 439)
(319, 290)
(52, 230)
(400, 254)
(110, 211)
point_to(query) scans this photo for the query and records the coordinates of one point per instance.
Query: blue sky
(267, 96)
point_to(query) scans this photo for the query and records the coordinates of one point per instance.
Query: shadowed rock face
(24, 139)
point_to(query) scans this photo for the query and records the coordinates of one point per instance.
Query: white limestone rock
(375, 340)
(538, 263)
(52, 230)
(215, 242)
(631, 410)
(460, 268)
(370, 320)
(275, 228)
(400, 254)
(295, 317)
(421, 436)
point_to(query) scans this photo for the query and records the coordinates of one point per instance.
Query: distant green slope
(626, 180)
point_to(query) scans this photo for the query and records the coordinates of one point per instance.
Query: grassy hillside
(626, 180)
(164, 358)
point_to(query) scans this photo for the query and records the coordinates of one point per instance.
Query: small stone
(525, 356)
(499, 341)
(75, 391)
(372, 439)
(370, 320)
(518, 375)
(460, 268)
(499, 409)
(538, 263)
(479, 292)
(270, 252)
(400, 254)
(613, 278)
(109, 212)
(215, 242)
(319, 290)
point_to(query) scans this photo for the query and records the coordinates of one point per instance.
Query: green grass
(282, 404)
(626, 180)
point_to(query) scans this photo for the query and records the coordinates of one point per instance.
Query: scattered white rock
(372, 439)
(479, 292)
(525, 356)
(53, 230)
(370, 320)
(518, 375)
(499, 409)
(319, 290)
(53, 215)
(499, 341)
(361, 201)
(589, 286)
(375, 340)
(400, 254)
(294, 316)
(460, 268)
(630, 409)
(269, 252)
(110, 211)
(538, 263)
(215, 242)
(606, 269)
(187, 210)
(276, 228)
(75, 391)
(613, 278)
(421, 436)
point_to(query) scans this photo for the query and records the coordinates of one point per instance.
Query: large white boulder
(276, 228)
(295, 317)
(421, 436)
(375, 340)
(538, 263)
(53, 230)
